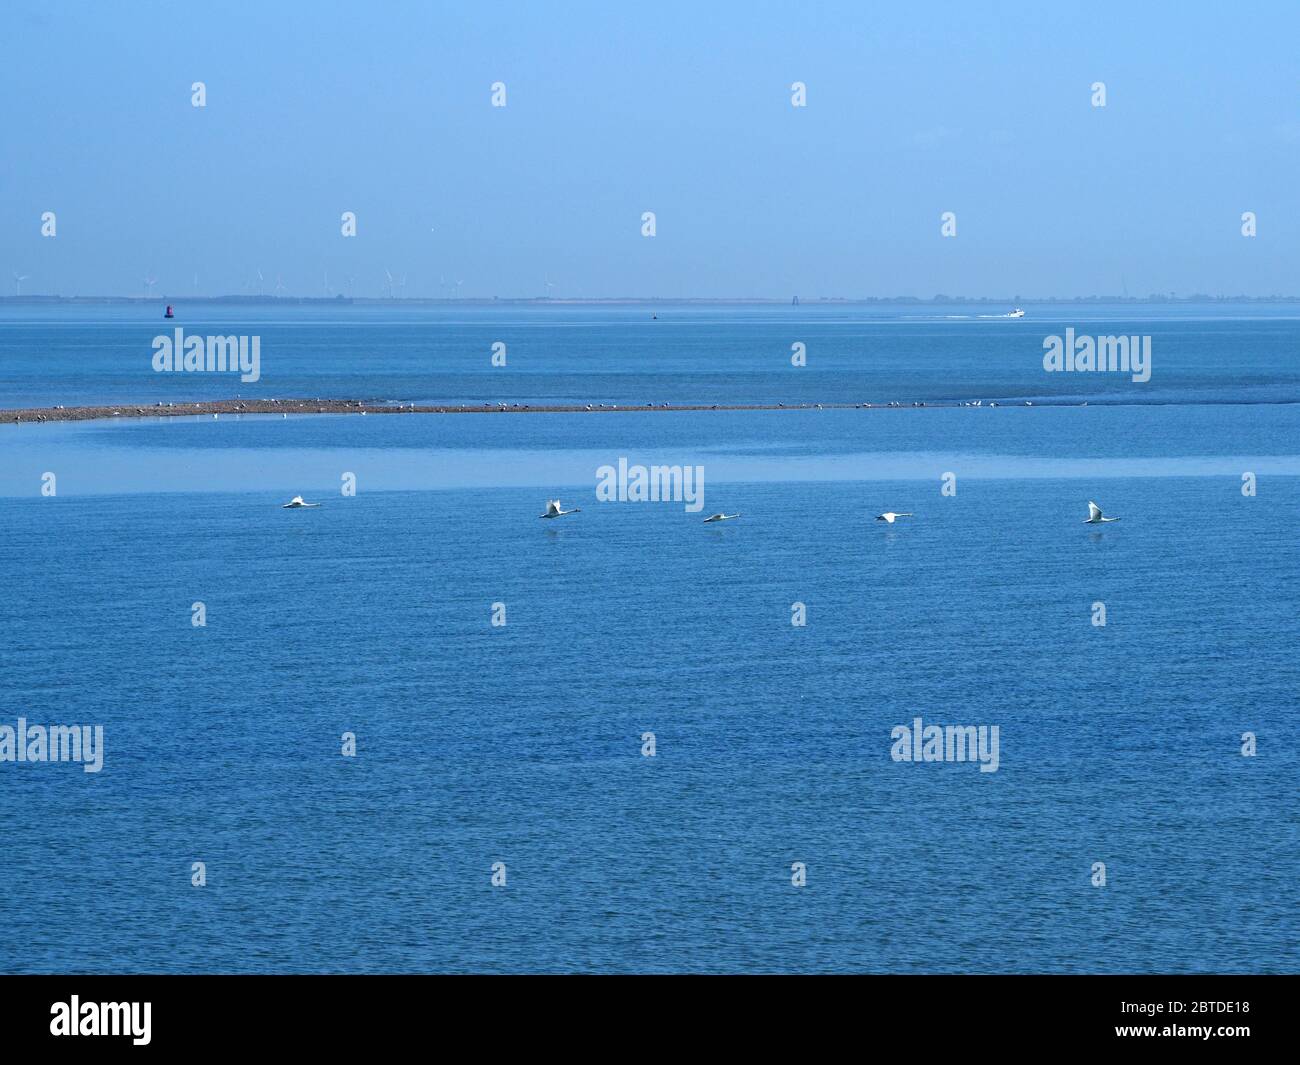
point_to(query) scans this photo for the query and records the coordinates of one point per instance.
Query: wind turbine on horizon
(149, 282)
(279, 286)
(18, 282)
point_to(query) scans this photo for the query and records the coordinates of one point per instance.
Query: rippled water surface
(522, 743)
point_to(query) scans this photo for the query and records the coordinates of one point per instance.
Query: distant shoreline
(635, 301)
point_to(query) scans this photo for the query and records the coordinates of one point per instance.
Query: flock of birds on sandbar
(555, 510)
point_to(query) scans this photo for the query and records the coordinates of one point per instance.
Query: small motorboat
(1017, 313)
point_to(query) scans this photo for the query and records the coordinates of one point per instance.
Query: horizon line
(1154, 298)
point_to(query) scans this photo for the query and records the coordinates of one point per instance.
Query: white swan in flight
(296, 502)
(721, 517)
(889, 516)
(553, 510)
(1095, 516)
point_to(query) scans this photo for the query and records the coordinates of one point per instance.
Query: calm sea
(665, 354)
(523, 743)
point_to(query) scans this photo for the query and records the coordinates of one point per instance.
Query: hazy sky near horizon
(680, 108)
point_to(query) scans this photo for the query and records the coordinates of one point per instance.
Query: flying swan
(889, 516)
(1095, 516)
(553, 510)
(296, 502)
(720, 517)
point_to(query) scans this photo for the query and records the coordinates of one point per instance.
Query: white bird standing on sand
(1095, 516)
(889, 516)
(296, 502)
(720, 517)
(553, 510)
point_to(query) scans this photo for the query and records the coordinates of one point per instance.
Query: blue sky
(678, 108)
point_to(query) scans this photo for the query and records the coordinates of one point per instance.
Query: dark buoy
(169, 313)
